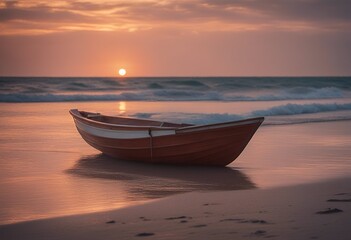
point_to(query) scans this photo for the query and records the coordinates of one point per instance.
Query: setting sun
(122, 72)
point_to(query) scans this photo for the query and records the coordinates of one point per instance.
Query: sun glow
(122, 72)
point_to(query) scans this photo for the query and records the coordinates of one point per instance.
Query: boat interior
(130, 121)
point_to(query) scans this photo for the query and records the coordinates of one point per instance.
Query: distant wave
(67, 98)
(35, 89)
(159, 94)
(283, 110)
(293, 109)
(302, 93)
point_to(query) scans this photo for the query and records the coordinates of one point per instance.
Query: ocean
(47, 170)
(244, 96)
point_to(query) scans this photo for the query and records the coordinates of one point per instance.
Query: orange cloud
(42, 17)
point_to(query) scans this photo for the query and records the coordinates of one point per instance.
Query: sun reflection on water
(122, 108)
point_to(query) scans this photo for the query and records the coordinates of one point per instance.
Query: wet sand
(309, 211)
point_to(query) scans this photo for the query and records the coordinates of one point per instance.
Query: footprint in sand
(176, 218)
(339, 200)
(259, 232)
(329, 211)
(231, 220)
(341, 194)
(199, 226)
(144, 234)
(210, 204)
(241, 220)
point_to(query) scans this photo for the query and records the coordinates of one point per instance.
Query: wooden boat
(164, 142)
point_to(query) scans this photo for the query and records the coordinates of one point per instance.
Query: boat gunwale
(123, 126)
(178, 130)
(257, 120)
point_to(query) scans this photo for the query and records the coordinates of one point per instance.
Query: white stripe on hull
(121, 134)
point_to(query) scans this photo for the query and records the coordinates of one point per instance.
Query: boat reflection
(147, 181)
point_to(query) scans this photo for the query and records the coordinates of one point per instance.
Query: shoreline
(288, 212)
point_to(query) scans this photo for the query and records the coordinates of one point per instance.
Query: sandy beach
(55, 186)
(310, 211)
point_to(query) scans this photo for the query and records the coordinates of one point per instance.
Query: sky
(175, 38)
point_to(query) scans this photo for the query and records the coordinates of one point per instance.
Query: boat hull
(217, 144)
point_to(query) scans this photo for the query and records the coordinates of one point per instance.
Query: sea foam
(282, 110)
(293, 109)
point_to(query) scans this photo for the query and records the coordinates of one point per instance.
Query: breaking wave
(174, 95)
(293, 109)
(35, 89)
(283, 110)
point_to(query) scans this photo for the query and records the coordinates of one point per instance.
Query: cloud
(297, 10)
(40, 14)
(191, 15)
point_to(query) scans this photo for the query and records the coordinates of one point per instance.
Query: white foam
(275, 114)
(293, 109)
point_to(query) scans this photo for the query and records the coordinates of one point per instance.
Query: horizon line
(172, 76)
